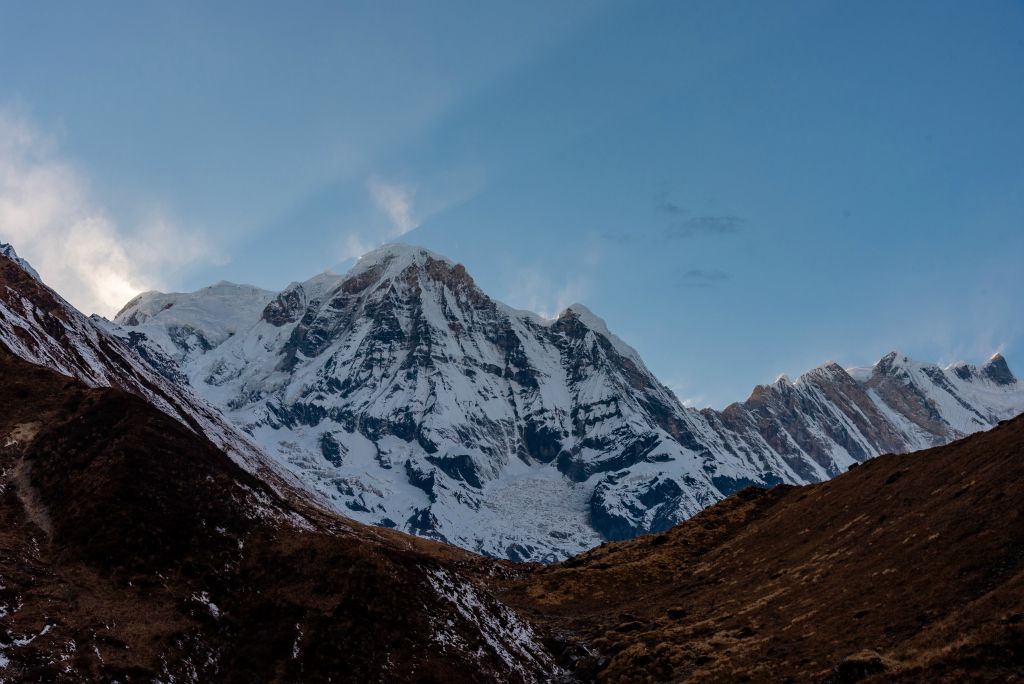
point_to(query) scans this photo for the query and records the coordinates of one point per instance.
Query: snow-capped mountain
(409, 398)
(39, 326)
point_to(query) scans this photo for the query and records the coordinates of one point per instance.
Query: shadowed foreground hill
(133, 550)
(906, 568)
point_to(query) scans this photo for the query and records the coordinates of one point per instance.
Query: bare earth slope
(906, 568)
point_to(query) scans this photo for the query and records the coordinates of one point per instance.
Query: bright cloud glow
(79, 250)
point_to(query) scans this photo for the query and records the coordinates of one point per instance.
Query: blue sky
(740, 189)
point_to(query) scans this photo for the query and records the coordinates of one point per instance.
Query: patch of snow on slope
(507, 635)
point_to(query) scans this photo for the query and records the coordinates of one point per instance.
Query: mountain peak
(583, 313)
(396, 255)
(395, 260)
(892, 357)
(890, 363)
(996, 370)
(829, 366)
(963, 370)
(7, 250)
(598, 325)
(830, 371)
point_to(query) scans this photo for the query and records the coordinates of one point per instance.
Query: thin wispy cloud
(395, 201)
(684, 391)
(48, 213)
(394, 208)
(681, 227)
(695, 226)
(696, 277)
(544, 294)
(667, 206)
(354, 246)
(707, 226)
(621, 238)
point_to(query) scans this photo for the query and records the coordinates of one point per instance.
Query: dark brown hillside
(907, 568)
(132, 550)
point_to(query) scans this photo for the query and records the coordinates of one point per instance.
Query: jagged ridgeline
(406, 397)
(409, 398)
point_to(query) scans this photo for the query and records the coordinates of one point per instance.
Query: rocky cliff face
(409, 398)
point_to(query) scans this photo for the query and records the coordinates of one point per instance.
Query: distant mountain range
(406, 397)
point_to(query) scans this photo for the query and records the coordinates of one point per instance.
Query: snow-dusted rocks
(197, 321)
(7, 250)
(409, 398)
(39, 326)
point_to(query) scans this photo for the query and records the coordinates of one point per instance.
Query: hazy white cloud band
(79, 250)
